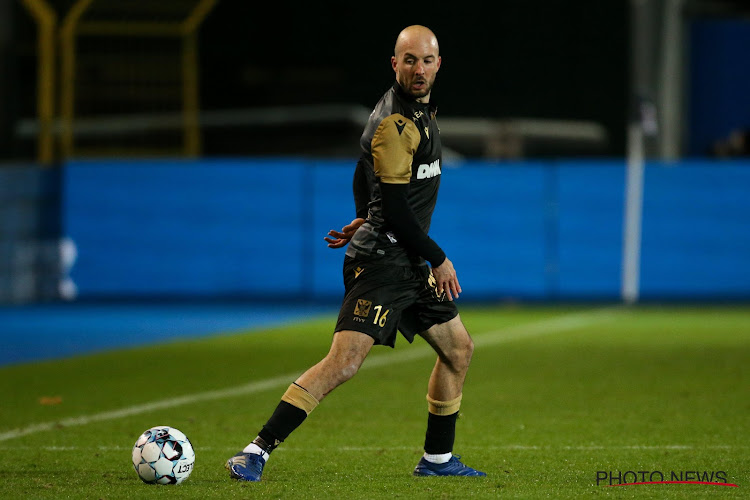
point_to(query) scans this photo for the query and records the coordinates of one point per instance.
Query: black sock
(441, 432)
(284, 420)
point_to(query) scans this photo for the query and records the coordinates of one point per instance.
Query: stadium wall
(31, 266)
(541, 230)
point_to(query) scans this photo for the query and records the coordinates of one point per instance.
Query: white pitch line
(552, 325)
(250, 388)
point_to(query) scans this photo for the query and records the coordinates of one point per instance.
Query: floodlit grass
(554, 396)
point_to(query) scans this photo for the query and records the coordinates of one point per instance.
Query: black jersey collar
(413, 100)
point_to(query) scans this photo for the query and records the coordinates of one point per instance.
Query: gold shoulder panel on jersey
(393, 146)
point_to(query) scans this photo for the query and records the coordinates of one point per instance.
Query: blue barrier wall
(696, 230)
(30, 245)
(540, 230)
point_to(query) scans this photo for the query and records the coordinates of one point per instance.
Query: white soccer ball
(163, 455)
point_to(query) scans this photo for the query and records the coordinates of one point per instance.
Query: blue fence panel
(30, 247)
(490, 221)
(696, 229)
(181, 227)
(590, 198)
(333, 208)
(542, 230)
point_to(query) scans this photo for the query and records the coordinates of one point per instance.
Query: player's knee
(469, 347)
(341, 368)
(467, 351)
(348, 370)
(459, 356)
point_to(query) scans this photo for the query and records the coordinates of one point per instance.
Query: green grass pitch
(554, 397)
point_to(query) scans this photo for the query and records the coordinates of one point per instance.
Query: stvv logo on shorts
(363, 308)
(426, 171)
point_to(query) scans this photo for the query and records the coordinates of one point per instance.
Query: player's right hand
(341, 238)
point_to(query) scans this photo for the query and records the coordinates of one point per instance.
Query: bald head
(416, 61)
(416, 36)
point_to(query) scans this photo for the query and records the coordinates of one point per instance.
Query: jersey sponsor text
(426, 171)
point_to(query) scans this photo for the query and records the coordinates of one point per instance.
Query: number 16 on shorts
(380, 319)
(364, 307)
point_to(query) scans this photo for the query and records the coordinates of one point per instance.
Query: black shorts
(381, 299)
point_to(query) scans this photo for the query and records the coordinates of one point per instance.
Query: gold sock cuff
(298, 396)
(441, 408)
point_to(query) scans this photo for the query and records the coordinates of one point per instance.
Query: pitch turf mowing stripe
(507, 447)
(556, 324)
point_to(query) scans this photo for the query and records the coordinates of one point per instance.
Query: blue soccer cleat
(452, 467)
(245, 466)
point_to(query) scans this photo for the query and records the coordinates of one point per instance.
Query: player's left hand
(341, 238)
(446, 280)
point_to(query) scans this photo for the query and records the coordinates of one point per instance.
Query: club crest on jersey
(425, 171)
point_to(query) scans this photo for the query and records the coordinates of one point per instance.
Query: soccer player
(389, 286)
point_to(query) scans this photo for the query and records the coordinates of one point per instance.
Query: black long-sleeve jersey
(396, 182)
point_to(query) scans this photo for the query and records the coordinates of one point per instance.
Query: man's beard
(421, 93)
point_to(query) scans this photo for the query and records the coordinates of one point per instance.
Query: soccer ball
(163, 455)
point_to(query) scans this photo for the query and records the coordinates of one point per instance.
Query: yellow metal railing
(190, 84)
(46, 21)
(67, 76)
(75, 24)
